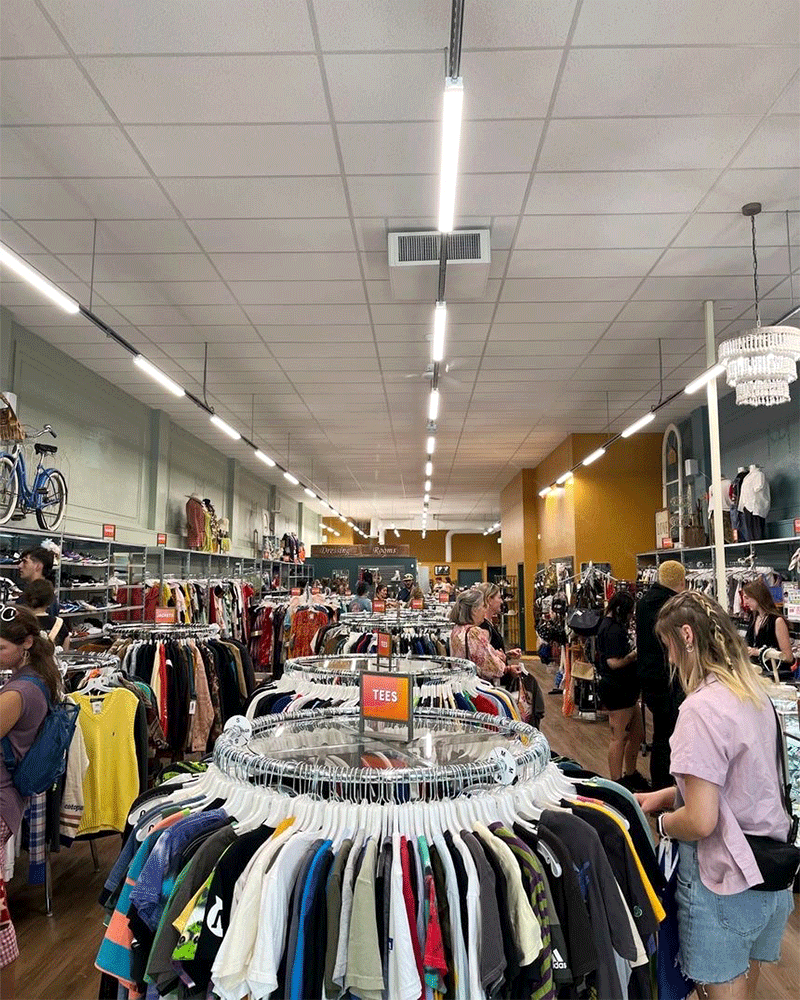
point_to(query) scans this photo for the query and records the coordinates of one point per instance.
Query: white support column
(716, 460)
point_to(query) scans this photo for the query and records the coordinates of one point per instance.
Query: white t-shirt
(454, 903)
(475, 986)
(404, 982)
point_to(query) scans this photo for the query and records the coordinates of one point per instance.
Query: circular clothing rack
(347, 668)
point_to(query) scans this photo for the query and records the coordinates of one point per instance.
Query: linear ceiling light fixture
(546, 491)
(310, 493)
(158, 376)
(439, 327)
(264, 458)
(433, 405)
(37, 280)
(564, 477)
(220, 424)
(429, 468)
(594, 456)
(291, 479)
(427, 485)
(430, 446)
(637, 425)
(452, 107)
(708, 376)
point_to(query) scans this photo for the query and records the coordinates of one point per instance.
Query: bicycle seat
(45, 449)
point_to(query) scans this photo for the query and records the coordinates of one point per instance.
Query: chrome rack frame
(434, 669)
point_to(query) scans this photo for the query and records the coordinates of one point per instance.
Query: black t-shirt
(46, 623)
(612, 644)
(495, 637)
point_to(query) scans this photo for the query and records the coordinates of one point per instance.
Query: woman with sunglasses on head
(724, 758)
(25, 652)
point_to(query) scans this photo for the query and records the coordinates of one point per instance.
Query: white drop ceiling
(245, 160)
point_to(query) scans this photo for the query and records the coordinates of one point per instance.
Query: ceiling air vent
(414, 265)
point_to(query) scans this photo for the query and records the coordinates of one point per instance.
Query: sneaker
(635, 782)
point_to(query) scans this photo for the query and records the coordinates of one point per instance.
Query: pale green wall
(125, 463)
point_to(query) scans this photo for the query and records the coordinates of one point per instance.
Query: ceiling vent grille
(414, 264)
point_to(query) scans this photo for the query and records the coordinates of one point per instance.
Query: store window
(672, 479)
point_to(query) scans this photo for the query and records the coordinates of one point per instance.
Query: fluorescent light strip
(37, 280)
(158, 376)
(433, 405)
(430, 447)
(563, 478)
(546, 491)
(264, 458)
(291, 479)
(704, 379)
(648, 418)
(310, 493)
(594, 456)
(429, 468)
(439, 325)
(452, 105)
(219, 423)
(427, 485)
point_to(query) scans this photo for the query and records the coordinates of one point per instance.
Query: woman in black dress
(767, 629)
(619, 692)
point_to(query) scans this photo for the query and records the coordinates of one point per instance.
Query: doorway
(521, 605)
(469, 577)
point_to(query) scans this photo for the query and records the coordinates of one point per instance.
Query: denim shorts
(720, 935)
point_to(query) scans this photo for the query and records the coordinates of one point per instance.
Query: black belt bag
(778, 861)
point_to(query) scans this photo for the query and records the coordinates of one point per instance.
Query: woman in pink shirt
(724, 760)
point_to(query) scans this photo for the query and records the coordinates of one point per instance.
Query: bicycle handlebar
(47, 429)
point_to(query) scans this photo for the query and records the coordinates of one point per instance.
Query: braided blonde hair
(718, 651)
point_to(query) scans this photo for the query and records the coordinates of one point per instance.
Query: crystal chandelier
(761, 363)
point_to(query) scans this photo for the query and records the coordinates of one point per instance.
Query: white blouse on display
(755, 493)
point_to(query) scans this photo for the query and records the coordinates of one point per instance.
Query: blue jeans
(721, 935)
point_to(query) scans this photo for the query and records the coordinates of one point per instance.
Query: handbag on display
(778, 861)
(584, 621)
(10, 427)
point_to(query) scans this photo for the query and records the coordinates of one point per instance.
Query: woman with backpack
(23, 706)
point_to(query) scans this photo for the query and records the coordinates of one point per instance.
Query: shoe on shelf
(635, 782)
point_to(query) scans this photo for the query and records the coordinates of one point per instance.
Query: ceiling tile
(557, 312)
(644, 143)
(298, 292)
(778, 190)
(115, 26)
(674, 310)
(581, 263)
(673, 81)
(142, 267)
(69, 151)
(775, 143)
(279, 197)
(594, 232)
(531, 330)
(47, 92)
(175, 293)
(220, 315)
(24, 31)
(684, 22)
(566, 289)
(508, 84)
(374, 87)
(697, 288)
(287, 266)
(723, 261)
(237, 150)
(211, 89)
(632, 192)
(329, 333)
(414, 147)
(789, 101)
(260, 235)
(95, 198)
(261, 315)
(731, 229)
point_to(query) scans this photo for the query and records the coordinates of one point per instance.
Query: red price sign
(667, 543)
(797, 525)
(296, 591)
(161, 538)
(165, 616)
(378, 606)
(444, 598)
(384, 644)
(316, 590)
(417, 603)
(386, 697)
(110, 531)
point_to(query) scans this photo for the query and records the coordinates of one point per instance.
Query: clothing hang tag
(192, 706)
(507, 771)
(238, 731)
(97, 707)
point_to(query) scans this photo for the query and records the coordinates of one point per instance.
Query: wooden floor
(57, 953)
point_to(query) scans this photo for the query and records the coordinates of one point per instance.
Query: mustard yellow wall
(519, 525)
(346, 534)
(556, 512)
(469, 551)
(615, 501)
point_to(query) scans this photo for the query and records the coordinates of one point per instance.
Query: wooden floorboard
(57, 953)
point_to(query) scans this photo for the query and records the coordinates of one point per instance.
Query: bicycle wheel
(52, 501)
(9, 487)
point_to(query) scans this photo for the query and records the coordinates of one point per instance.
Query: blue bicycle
(46, 497)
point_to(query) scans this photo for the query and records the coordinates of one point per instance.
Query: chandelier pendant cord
(755, 271)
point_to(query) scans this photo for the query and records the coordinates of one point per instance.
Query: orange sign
(110, 531)
(379, 606)
(165, 616)
(444, 598)
(384, 644)
(667, 543)
(417, 603)
(386, 697)
(296, 591)
(161, 538)
(797, 525)
(316, 590)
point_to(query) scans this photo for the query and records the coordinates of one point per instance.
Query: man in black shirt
(661, 695)
(404, 593)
